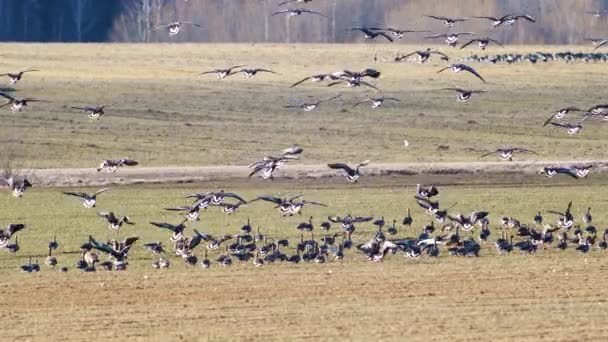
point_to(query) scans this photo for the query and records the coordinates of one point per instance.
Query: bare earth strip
(140, 175)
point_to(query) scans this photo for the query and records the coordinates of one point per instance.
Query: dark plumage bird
(423, 56)
(292, 12)
(112, 165)
(174, 28)
(310, 106)
(456, 68)
(16, 76)
(17, 104)
(370, 34)
(352, 174)
(88, 200)
(451, 39)
(251, 72)
(94, 111)
(508, 19)
(482, 42)
(222, 73)
(8, 232)
(560, 114)
(449, 22)
(464, 95)
(506, 154)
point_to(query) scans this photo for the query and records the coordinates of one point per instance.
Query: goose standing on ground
(307, 107)
(17, 184)
(13, 247)
(17, 105)
(451, 39)
(222, 73)
(449, 22)
(114, 223)
(94, 112)
(508, 19)
(111, 165)
(506, 154)
(6, 234)
(456, 68)
(251, 72)
(423, 56)
(482, 43)
(464, 95)
(292, 12)
(88, 200)
(560, 114)
(174, 28)
(370, 34)
(351, 174)
(16, 77)
(377, 101)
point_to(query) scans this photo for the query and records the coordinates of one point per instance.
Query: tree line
(558, 21)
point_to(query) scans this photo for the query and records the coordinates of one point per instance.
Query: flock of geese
(456, 233)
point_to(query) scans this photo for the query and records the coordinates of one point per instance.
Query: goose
(270, 164)
(294, 259)
(560, 114)
(353, 83)
(193, 210)
(467, 223)
(50, 260)
(400, 33)
(352, 174)
(426, 192)
(597, 14)
(119, 255)
(306, 226)
(17, 105)
(94, 112)
(484, 233)
(587, 218)
(18, 185)
(503, 245)
(176, 229)
(508, 19)
(111, 165)
(464, 95)
(408, 220)
(551, 171)
(570, 128)
(114, 223)
(482, 43)
(449, 22)
(600, 109)
(88, 200)
(297, 206)
(216, 198)
(155, 247)
(308, 107)
(377, 101)
(30, 267)
(506, 154)
(370, 34)
(8, 232)
(583, 170)
(604, 243)
(213, 243)
(423, 56)
(456, 68)
(257, 262)
(600, 44)
(174, 28)
(292, 12)
(538, 218)
(16, 77)
(205, 263)
(566, 219)
(392, 230)
(292, 1)
(319, 78)
(251, 72)
(230, 208)
(283, 204)
(222, 73)
(348, 221)
(451, 39)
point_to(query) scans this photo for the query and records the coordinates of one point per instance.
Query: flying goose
(456, 68)
(118, 251)
(88, 200)
(560, 114)
(230, 208)
(570, 128)
(307, 107)
(193, 210)
(376, 101)
(398, 33)
(285, 205)
(218, 197)
(370, 34)
(351, 174)
(16, 77)
(251, 72)
(426, 192)
(174, 28)
(451, 39)
(94, 112)
(111, 165)
(114, 223)
(177, 230)
(600, 44)
(222, 73)
(319, 78)
(6, 234)
(566, 218)
(353, 83)
(17, 105)
(17, 184)
(348, 221)
(482, 43)
(423, 56)
(597, 14)
(449, 22)
(467, 223)
(508, 19)
(551, 171)
(464, 95)
(292, 12)
(506, 154)
(270, 164)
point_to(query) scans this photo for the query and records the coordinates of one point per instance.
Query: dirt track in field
(155, 175)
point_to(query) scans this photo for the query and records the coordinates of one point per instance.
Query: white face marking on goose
(89, 203)
(174, 30)
(582, 172)
(94, 116)
(464, 97)
(112, 168)
(17, 106)
(377, 103)
(14, 80)
(310, 107)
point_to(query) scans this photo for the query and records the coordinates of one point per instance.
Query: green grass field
(163, 114)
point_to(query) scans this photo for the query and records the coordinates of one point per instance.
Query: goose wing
(342, 166)
(472, 71)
